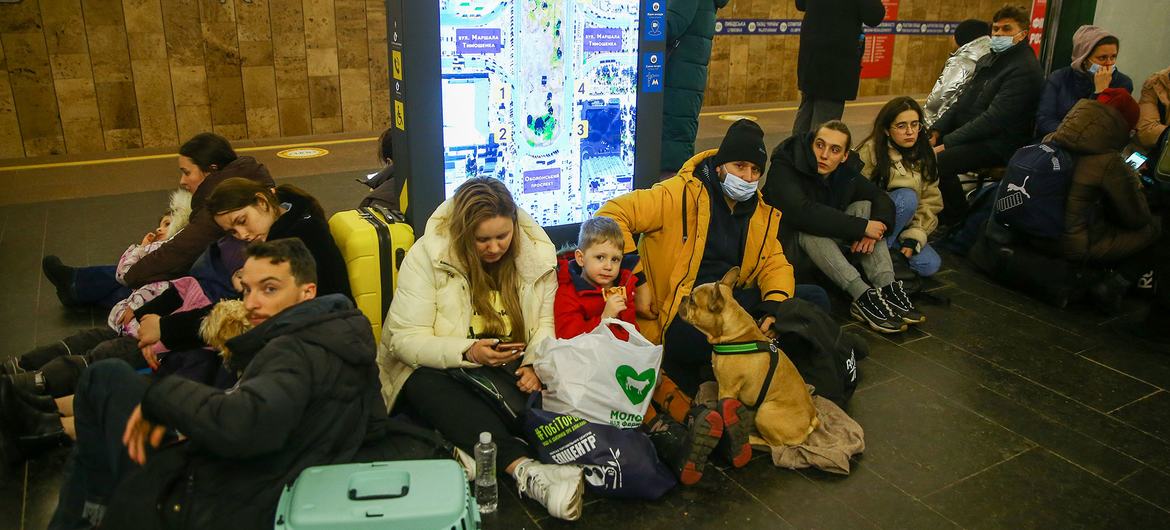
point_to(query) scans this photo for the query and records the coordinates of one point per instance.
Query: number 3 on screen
(582, 129)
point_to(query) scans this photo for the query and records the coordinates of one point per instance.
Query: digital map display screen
(541, 94)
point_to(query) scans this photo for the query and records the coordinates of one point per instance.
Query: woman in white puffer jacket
(484, 274)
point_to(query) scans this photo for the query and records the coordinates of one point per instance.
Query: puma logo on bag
(1021, 188)
(1033, 191)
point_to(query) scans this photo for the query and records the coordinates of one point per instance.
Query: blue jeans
(98, 286)
(926, 262)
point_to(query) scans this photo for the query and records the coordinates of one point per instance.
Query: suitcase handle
(371, 486)
(392, 216)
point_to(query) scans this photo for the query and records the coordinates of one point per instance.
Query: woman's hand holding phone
(488, 352)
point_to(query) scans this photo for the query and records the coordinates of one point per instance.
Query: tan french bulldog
(785, 415)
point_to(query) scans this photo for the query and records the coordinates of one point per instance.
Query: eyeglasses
(903, 126)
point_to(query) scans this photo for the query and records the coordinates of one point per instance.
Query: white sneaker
(466, 461)
(558, 488)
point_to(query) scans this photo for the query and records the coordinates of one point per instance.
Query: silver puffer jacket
(955, 74)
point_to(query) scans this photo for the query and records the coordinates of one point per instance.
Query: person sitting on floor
(483, 274)
(176, 219)
(994, 114)
(692, 229)
(1108, 221)
(204, 161)
(167, 339)
(1093, 69)
(307, 394)
(826, 204)
(599, 283)
(972, 40)
(898, 158)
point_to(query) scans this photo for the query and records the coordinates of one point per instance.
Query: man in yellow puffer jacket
(694, 228)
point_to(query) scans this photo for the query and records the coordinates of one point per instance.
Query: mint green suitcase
(415, 494)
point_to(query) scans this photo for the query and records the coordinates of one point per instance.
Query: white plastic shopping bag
(599, 377)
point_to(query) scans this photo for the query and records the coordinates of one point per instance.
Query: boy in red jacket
(599, 283)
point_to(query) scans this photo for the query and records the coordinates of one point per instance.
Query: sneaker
(738, 422)
(895, 296)
(557, 488)
(871, 309)
(685, 448)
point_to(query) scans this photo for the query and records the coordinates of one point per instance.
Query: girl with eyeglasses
(899, 159)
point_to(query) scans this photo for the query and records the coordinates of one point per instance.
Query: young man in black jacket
(308, 394)
(825, 203)
(995, 113)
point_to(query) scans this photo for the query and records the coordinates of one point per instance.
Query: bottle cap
(485, 437)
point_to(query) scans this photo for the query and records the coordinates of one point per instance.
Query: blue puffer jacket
(1063, 89)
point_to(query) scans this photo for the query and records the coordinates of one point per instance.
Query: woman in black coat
(829, 66)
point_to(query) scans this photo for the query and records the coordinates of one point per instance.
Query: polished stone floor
(1001, 412)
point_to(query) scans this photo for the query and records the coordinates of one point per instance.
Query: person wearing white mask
(993, 116)
(696, 226)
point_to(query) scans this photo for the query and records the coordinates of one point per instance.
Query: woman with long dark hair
(475, 295)
(899, 159)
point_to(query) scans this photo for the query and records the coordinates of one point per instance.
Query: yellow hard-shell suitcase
(374, 241)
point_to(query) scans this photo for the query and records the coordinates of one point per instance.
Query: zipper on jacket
(763, 243)
(690, 258)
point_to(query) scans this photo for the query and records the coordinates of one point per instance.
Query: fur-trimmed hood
(180, 210)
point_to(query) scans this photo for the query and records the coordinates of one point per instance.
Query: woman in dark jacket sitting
(251, 212)
(1093, 69)
(1107, 218)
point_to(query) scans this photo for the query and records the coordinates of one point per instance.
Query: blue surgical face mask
(738, 189)
(1094, 68)
(999, 43)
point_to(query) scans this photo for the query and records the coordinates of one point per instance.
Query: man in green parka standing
(690, 26)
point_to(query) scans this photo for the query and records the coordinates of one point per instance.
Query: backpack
(823, 353)
(1032, 194)
(1015, 264)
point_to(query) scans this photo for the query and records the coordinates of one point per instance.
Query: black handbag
(496, 385)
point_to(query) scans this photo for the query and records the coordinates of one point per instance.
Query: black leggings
(460, 414)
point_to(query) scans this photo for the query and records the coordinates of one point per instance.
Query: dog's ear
(731, 278)
(715, 302)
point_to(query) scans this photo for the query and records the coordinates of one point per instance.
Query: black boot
(27, 382)
(11, 366)
(37, 401)
(32, 429)
(61, 276)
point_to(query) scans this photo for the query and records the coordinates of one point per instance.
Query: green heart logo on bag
(636, 385)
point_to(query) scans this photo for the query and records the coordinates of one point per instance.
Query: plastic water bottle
(486, 494)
